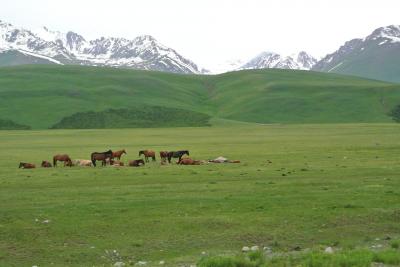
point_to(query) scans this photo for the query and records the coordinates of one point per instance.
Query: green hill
(42, 95)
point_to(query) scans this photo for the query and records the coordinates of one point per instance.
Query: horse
(177, 154)
(163, 156)
(109, 161)
(62, 157)
(148, 154)
(118, 163)
(189, 161)
(46, 164)
(83, 162)
(101, 156)
(118, 154)
(136, 163)
(24, 165)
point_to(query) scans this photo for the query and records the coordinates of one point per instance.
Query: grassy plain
(328, 185)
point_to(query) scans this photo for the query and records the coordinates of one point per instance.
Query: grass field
(328, 185)
(40, 96)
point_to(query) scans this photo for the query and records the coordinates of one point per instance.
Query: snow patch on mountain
(272, 60)
(143, 52)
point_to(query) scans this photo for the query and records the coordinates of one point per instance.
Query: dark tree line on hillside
(11, 125)
(395, 113)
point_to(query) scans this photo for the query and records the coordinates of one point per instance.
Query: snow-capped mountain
(143, 52)
(269, 60)
(376, 56)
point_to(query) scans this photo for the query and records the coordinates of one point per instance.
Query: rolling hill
(41, 96)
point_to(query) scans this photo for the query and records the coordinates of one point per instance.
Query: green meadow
(41, 96)
(298, 189)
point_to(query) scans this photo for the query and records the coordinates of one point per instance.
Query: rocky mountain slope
(376, 56)
(23, 46)
(270, 60)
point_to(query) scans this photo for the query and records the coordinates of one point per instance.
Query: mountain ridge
(377, 56)
(143, 52)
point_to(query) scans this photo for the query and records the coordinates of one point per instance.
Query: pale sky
(210, 32)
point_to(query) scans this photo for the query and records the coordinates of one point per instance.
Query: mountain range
(21, 46)
(271, 60)
(376, 56)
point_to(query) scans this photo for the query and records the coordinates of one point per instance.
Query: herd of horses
(114, 158)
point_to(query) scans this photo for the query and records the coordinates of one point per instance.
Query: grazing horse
(62, 157)
(118, 154)
(148, 154)
(136, 163)
(101, 156)
(46, 164)
(164, 156)
(24, 165)
(177, 154)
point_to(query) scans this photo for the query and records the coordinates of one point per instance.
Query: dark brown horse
(24, 165)
(118, 154)
(136, 163)
(62, 157)
(46, 164)
(177, 154)
(148, 154)
(95, 156)
(164, 155)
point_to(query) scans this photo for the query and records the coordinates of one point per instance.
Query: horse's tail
(54, 161)
(93, 160)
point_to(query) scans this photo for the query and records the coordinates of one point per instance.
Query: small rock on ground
(245, 249)
(119, 264)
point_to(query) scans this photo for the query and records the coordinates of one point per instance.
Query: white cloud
(213, 31)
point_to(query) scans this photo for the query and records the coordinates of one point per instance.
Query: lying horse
(118, 154)
(46, 164)
(148, 154)
(163, 156)
(62, 157)
(189, 161)
(177, 154)
(24, 165)
(101, 156)
(83, 162)
(118, 163)
(136, 163)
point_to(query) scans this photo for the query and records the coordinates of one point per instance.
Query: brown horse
(24, 165)
(136, 163)
(148, 154)
(189, 161)
(46, 164)
(164, 156)
(101, 156)
(118, 163)
(118, 154)
(62, 157)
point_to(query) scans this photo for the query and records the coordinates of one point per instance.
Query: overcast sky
(212, 31)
